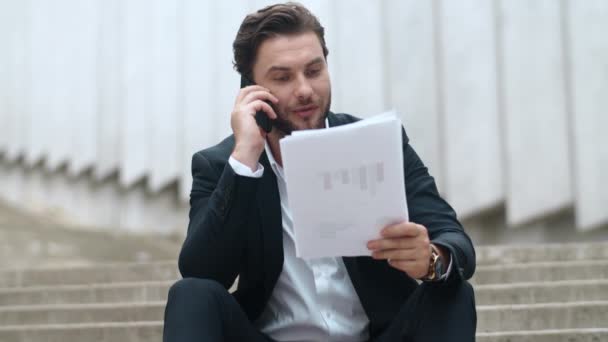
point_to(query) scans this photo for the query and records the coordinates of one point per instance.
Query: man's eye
(314, 72)
(282, 79)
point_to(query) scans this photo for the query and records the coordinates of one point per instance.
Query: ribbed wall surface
(103, 102)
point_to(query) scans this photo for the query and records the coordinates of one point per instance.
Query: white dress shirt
(313, 300)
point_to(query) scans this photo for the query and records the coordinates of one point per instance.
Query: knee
(446, 310)
(189, 289)
(460, 293)
(465, 290)
(456, 299)
(461, 297)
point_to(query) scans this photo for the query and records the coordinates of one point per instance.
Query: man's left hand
(406, 247)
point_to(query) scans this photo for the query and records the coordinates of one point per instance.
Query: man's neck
(273, 142)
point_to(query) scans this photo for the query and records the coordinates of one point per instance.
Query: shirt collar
(273, 163)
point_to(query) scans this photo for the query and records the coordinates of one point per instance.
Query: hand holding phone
(261, 117)
(249, 131)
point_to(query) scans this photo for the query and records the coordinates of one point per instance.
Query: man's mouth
(306, 111)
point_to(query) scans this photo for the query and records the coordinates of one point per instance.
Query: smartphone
(260, 116)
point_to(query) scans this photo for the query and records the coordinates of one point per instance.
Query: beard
(286, 126)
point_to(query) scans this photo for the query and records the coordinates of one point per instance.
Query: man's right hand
(249, 137)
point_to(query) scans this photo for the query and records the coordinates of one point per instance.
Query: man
(240, 223)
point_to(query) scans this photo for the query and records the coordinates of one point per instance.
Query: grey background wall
(103, 102)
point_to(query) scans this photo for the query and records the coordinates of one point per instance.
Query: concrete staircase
(554, 292)
(534, 293)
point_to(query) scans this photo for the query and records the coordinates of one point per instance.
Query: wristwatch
(435, 266)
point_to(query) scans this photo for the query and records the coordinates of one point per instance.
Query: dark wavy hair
(287, 18)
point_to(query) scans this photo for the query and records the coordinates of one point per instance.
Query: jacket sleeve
(426, 207)
(220, 201)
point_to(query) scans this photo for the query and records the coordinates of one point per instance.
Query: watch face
(438, 268)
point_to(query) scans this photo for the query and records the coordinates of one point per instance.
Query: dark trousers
(202, 310)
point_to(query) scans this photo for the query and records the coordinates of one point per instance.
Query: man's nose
(303, 88)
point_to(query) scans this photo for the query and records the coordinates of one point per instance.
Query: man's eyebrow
(282, 68)
(277, 68)
(315, 61)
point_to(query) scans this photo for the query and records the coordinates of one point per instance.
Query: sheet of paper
(344, 185)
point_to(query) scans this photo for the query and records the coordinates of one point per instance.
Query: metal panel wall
(21, 79)
(589, 75)
(163, 156)
(199, 77)
(138, 77)
(536, 132)
(81, 59)
(412, 76)
(6, 87)
(473, 170)
(44, 51)
(110, 91)
(358, 58)
(227, 81)
(54, 115)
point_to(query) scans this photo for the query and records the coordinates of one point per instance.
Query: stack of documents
(344, 185)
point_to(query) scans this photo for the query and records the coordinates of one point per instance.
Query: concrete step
(153, 331)
(28, 240)
(167, 271)
(81, 313)
(493, 294)
(516, 254)
(102, 273)
(83, 294)
(497, 318)
(542, 271)
(562, 335)
(540, 292)
(491, 318)
(90, 332)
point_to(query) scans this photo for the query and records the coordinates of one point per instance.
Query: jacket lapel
(269, 206)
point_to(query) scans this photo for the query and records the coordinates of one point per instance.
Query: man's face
(293, 68)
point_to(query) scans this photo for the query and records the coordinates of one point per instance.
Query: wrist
(437, 264)
(444, 256)
(248, 156)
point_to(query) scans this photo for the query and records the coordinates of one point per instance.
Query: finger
(261, 105)
(415, 270)
(412, 254)
(263, 133)
(259, 95)
(263, 94)
(397, 243)
(397, 254)
(244, 91)
(402, 230)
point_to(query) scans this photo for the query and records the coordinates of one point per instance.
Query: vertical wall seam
(441, 173)
(180, 96)
(569, 103)
(384, 32)
(501, 103)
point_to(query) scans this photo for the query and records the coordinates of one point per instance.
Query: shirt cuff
(244, 170)
(447, 272)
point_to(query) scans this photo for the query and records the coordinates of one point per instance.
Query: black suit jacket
(235, 230)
